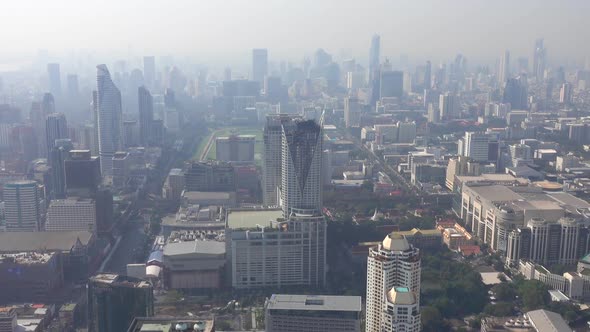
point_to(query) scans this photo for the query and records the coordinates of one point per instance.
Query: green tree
(499, 309)
(534, 294)
(504, 291)
(432, 320)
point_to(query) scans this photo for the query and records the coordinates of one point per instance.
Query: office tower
(82, 173)
(110, 122)
(374, 57)
(520, 154)
(209, 176)
(48, 104)
(115, 300)
(57, 157)
(120, 168)
(449, 107)
(539, 59)
(235, 148)
(515, 93)
(56, 127)
(523, 65)
(504, 70)
(565, 94)
(73, 86)
(271, 170)
(71, 214)
(146, 115)
(302, 313)
(428, 75)
(406, 132)
(433, 113)
(393, 282)
(352, 112)
(21, 206)
(476, 146)
(149, 71)
(391, 84)
(54, 78)
(301, 160)
(259, 64)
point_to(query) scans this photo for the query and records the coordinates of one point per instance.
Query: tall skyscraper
(301, 163)
(149, 70)
(110, 122)
(504, 70)
(146, 115)
(259, 64)
(271, 170)
(539, 59)
(391, 84)
(82, 173)
(73, 86)
(565, 94)
(115, 300)
(449, 106)
(352, 112)
(476, 145)
(374, 57)
(21, 205)
(393, 286)
(428, 75)
(56, 127)
(515, 93)
(54, 78)
(57, 157)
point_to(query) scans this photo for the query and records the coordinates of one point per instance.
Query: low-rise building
(194, 264)
(299, 313)
(168, 324)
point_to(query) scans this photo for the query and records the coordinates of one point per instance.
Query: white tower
(110, 119)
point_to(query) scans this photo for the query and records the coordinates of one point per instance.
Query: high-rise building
(565, 94)
(8, 320)
(115, 300)
(54, 78)
(209, 176)
(82, 173)
(110, 119)
(504, 70)
(259, 64)
(302, 313)
(71, 214)
(393, 286)
(352, 112)
(539, 59)
(149, 71)
(301, 160)
(476, 146)
(56, 127)
(22, 207)
(374, 57)
(146, 115)
(235, 148)
(57, 157)
(515, 93)
(428, 75)
(391, 84)
(271, 170)
(73, 86)
(449, 106)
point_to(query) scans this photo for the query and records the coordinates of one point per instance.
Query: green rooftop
(244, 219)
(586, 259)
(156, 327)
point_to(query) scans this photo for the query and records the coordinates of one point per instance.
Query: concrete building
(391, 84)
(235, 148)
(302, 313)
(392, 265)
(174, 184)
(476, 146)
(259, 64)
(22, 206)
(169, 324)
(115, 300)
(352, 112)
(146, 115)
(108, 109)
(120, 168)
(71, 214)
(209, 177)
(194, 264)
(449, 107)
(56, 128)
(8, 319)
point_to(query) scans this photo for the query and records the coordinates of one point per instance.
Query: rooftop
(237, 219)
(314, 302)
(547, 321)
(121, 280)
(42, 241)
(189, 247)
(171, 324)
(395, 242)
(401, 295)
(26, 258)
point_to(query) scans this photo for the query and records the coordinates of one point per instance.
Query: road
(129, 250)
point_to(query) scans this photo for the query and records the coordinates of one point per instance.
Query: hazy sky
(436, 29)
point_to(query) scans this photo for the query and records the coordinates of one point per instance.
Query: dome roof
(401, 295)
(395, 242)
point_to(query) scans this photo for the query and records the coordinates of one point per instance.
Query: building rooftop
(171, 324)
(120, 280)
(42, 241)
(176, 171)
(202, 195)
(26, 258)
(189, 247)
(237, 219)
(495, 193)
(395, 242)
(314, 302)
(547, 321)
(401, 295)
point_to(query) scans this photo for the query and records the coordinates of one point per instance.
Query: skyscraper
(82, 173)
(301, 188)
(449, 107)
(476, 145)
(539, 59)
(149, 70)
(57, 157)
(565, 94)
(515, 93)
(374, 57)
(504, 70)
(428, 75)
(21, 205)
(56, 127)
(393, 283)
(352, 112)
(259, 64)
(115, 300)
(391, 84)
(146, 115)
(271, 170)
(110, 122)
(54, 78)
